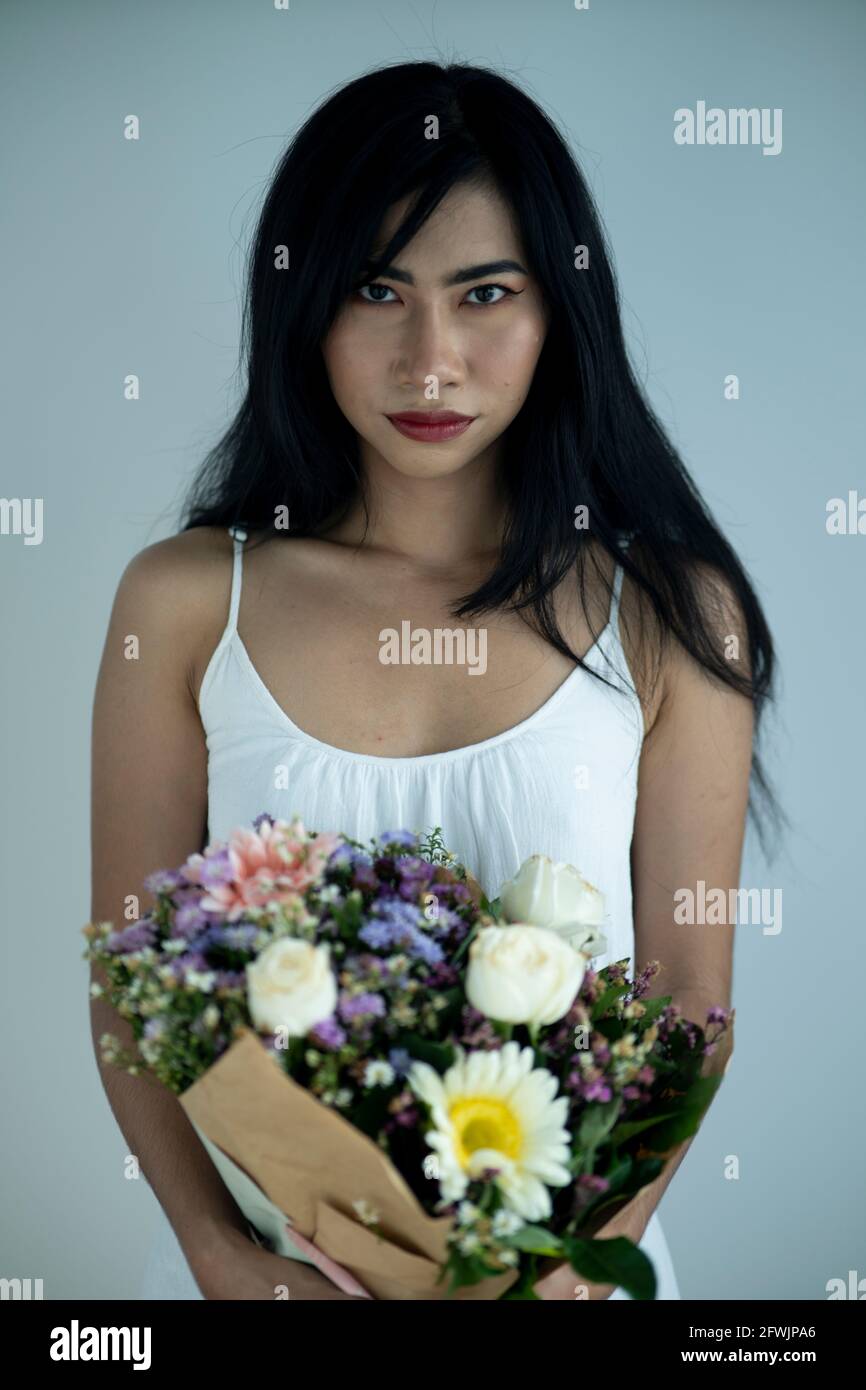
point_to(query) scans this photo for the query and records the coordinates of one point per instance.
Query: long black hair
(585, 436)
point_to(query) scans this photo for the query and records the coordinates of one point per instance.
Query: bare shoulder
(660, 663)
(180, 587)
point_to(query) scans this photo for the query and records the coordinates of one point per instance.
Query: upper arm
(148, 751)
(693, 789)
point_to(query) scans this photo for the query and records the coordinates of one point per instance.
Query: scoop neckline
(407, 760)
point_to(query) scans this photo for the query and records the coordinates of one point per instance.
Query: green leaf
(606, 999)
(645, 1171)
(598, 1122)
(617, 1177)
(439, 1055)
(631, 1127)
(619, 1262)
(674, 1131)
(654, 1007)
(695, 1099)
(535, 1240)
(524, 1286)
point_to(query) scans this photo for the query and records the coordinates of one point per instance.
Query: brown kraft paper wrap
(313, 1164)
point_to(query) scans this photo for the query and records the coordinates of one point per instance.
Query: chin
(427, 467)
(428, 464)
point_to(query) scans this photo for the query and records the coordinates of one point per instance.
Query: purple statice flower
(414, 876)
(347, 856)
(395, 925)
(443, 975)
(215, 869)
(449, 921)
(442, 891)
(365, 876)
(400, 1060)
(408, 1118)
(477, 1032)
(591, 988)
(163, 881)
(328, 1034)
(231, 979)
(237, 936)
(587, 1187)
(190, 960)
(132, 938)
(351, 1006)
(668, 1021)
(402, 838)
(719, 1015)
(365, 964)
(599, 1089)
(644, 979)
(190, 919)
(410, 888)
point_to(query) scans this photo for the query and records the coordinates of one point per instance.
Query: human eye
(374, 285)
(481, 289)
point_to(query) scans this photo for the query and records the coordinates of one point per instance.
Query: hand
(232, 1266)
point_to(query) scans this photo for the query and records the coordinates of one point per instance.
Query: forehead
(469, 218)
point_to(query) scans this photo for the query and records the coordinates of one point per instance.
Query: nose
(430, 346)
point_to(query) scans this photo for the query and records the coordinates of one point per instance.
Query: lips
(431, 426)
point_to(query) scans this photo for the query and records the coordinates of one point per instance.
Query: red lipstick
(431, 426)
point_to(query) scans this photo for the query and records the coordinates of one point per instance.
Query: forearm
(169, 1152)
(632, 1220)
(695, 1005)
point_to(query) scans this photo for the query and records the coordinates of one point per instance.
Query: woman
(441, 424)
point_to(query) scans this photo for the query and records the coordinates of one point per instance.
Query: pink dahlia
(276, 863)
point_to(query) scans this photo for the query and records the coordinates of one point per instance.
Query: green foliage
(618, 1261)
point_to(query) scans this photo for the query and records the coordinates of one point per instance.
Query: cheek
(350, 365)
(511, 356)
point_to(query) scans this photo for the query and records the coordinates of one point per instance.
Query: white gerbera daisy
(494, 1110)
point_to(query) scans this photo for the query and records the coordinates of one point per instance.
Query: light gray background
(126, 257)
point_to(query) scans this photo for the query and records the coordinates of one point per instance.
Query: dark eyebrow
(459, 277)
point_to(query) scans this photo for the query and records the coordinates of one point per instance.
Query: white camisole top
(562, 782)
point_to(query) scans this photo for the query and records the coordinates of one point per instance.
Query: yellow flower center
(484, 1122)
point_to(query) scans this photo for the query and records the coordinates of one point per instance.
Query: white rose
(291, 985)
(523, 974)
(556, 896)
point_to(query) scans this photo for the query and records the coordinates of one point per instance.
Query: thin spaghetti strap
(240, 536)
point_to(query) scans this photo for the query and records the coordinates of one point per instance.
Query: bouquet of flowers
(420, 1090)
